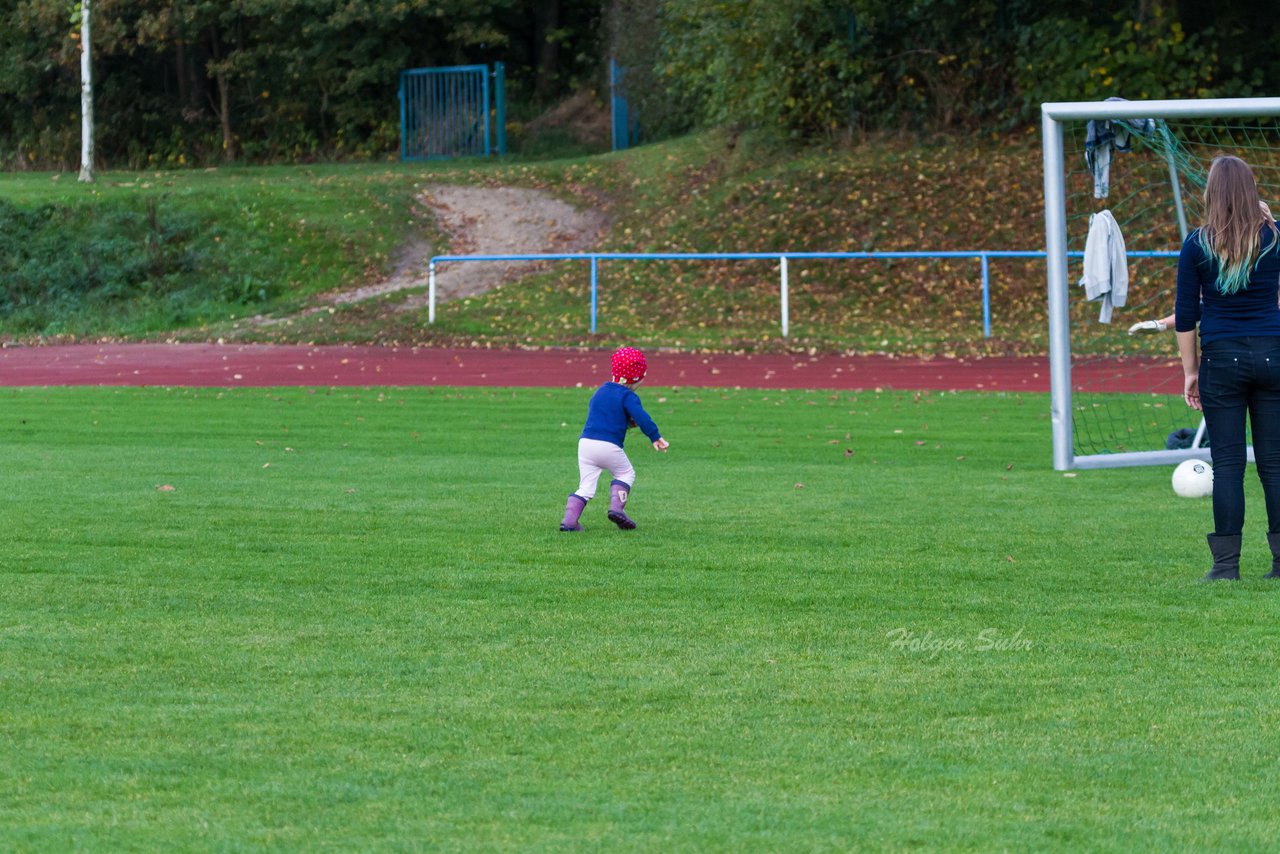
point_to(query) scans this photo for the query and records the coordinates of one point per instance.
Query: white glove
(1148, 326)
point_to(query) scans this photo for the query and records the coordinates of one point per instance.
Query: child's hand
(661, 445)
(1148, 326)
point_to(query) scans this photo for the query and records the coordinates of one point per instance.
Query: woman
(1228, 283)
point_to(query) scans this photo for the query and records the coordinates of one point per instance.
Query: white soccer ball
(1193, 479)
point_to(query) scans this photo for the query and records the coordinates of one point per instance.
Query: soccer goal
(1116, 399)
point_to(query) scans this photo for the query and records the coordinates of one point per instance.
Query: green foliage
(1070, 59)
(181, 83)
(813, 67)
(942, 64)
(662, 105)
(60, 260)
(788, 65)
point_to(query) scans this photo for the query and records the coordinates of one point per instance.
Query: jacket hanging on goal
(1106, 267)
(1102, 136)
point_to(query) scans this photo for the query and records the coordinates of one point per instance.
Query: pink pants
(595, 456)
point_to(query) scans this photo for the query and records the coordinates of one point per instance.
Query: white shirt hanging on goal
(1106, 267)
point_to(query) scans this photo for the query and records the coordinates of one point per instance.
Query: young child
(613, 408)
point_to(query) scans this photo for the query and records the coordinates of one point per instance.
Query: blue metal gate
(452, 112)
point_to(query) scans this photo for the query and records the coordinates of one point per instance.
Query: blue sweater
(1248, 312)
(611, 407)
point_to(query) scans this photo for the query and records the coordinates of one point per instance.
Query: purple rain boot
(618, 492)
(572, 510)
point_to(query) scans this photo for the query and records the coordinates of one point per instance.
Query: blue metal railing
(984, 256)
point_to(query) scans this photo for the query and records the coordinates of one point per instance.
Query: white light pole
(86, 98)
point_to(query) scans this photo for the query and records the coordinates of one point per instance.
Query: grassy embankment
(211, 248)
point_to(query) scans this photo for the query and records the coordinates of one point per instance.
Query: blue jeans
(1239, 376)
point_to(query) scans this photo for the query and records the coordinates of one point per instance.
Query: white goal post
(1053, 118)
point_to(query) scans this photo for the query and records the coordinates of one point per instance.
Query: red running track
(251, 365)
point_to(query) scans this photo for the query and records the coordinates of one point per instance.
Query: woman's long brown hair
(1233, 220)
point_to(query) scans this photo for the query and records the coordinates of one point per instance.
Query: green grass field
(847, 621)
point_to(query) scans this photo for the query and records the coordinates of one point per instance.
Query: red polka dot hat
(629, 365)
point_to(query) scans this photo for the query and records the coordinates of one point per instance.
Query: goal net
(1117, 397)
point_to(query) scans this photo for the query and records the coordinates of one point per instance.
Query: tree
(546, 18)
(791, 65)
(179, 82)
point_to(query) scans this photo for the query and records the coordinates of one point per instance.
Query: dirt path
(479, 221)
(502, 221)
(486, 221)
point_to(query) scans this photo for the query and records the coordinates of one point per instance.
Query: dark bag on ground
(1182, 438)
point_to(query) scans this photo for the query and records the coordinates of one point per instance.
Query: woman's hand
(1191, 390)
(661, 445)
